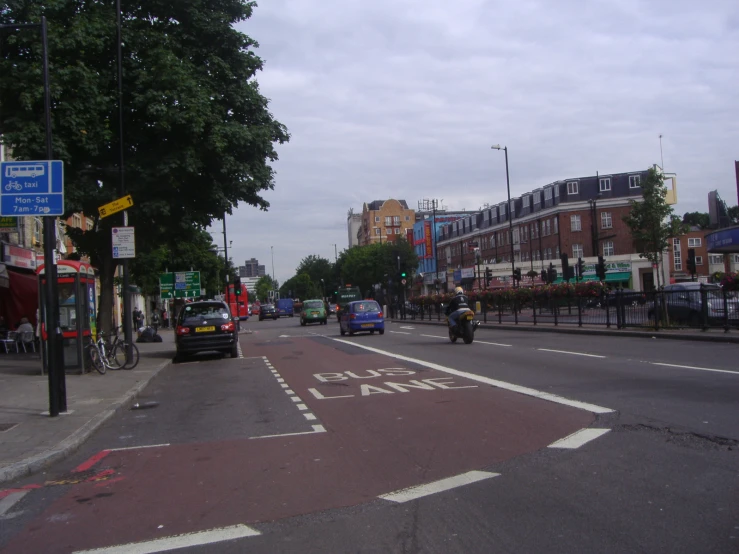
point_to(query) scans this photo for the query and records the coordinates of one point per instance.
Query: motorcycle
(465, 329)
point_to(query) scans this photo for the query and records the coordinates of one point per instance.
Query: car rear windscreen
(366, 307)
(207, 311)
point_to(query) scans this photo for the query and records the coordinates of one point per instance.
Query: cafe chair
(27, 339)
(10, 340)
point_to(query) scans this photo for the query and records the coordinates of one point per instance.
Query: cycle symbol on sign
(13, 185)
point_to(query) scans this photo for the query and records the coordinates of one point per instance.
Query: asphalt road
(313, 442)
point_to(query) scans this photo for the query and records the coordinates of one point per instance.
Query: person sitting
(457, 306)
(24, 327)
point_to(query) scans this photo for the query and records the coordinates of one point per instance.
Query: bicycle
(119, 349)
(104, 355)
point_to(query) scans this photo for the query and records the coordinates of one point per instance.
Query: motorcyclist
(458, 305)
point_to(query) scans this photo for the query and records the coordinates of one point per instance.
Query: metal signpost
(32, 188)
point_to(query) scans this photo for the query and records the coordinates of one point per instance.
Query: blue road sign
(32, 188)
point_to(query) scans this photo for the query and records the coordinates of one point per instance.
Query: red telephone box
(77, 308)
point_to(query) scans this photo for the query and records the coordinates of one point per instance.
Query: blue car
(361, 315)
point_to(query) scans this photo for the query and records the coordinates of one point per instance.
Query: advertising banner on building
(427, 236)
(18, 256)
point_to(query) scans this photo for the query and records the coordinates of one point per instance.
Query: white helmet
(458, 291)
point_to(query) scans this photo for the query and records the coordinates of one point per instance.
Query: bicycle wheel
(134, 360)
(115, 357)
(93, 354)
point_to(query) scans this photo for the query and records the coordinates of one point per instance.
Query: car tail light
(379, 315)
(182, 330)
(353, 316)
(228, 326)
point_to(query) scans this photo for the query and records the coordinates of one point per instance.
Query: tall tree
(652, 222)
(263, 286)
(198, 136)
(698, 219)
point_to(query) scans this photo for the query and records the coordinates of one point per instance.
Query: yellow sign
(115, 206)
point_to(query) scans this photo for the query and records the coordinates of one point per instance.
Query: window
(396, 220)
(38, 227)
(525, 234)
(537, 200)
(77, 221)
(407, 218)
(90, 224)
(388, 221)
(377, 219)
(549, 227)
(699, 260)
(715, 259)
(736, 258)
(397, 230)
(608, 248)
(556, 191)
(377, 230)
(549, 254)
(634, 181)
(577, 251)
(573, 188)
(537, 255)
(605, 220)
(556, 225)
(677, 255)
(492, 241)
(692, 243)
(547, 194)
(605, 184)
(575, 223)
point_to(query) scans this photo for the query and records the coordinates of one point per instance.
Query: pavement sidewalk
(30, 440)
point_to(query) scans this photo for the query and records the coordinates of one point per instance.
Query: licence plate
(204, 329)
(368, 324)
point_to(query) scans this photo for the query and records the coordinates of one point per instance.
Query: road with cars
(314, 442)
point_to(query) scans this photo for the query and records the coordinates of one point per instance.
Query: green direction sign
(182, 284)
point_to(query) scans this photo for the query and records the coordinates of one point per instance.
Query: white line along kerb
(488, 381)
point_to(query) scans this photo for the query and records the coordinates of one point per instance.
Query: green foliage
(734, 215)
(376, 263)
(651, 221)
(699, 219)
(198, 136)
(301, 286)
(263, 286)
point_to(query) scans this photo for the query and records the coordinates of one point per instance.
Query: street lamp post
(479, 281)
(50, 311)
(272, 249)
(323, 290)
(510, 214)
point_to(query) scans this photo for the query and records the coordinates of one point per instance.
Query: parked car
(361, 315)
(205, 326)
(314, 311)
(267, 311)
(684, 304)
(629, 297)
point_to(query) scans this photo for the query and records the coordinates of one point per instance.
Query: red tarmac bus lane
(389, 425)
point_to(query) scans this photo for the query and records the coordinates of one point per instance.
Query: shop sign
(19, 257)
(8, 224)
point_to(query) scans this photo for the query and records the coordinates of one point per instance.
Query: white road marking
(494, 382)
(316, 429)
(411, 493)
(435, 336)
(400, 332)
(578, 438)
(284, 336)
(302, 407)
(178, 541)
(290, 392)
(309, 416)
(698, 368)
(11, 500)
(280, 380)
(493, 343)
(137, 447)
(284, 385)
(406, 327)
(295, 399)
(238, 348)
(573, 353)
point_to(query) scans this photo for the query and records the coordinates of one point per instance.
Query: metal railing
(703, 307)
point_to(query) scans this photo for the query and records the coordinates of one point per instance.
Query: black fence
(701, 307)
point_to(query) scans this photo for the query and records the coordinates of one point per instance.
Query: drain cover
(6, 426)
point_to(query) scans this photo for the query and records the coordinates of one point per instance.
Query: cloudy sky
(403, 99)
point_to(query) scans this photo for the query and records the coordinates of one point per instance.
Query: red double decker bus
(239, 304)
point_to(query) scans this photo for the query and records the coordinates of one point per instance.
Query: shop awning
(612, 277)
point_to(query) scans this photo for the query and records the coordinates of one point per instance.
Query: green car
(314, 311)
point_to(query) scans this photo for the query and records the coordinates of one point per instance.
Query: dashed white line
(316, 429)
(295, 399)
(573, 353)
(137, 447)
(493, 343)
(434, 336)
(280, 380)
(284, 385)
(400, 332)
(578, 438)
(309, 416)
(302, 407)
(442, 485)
(178, 541)
(697, 368)
(11, 500)
(480, 379)
(289, 392)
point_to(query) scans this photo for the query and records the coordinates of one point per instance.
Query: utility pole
(225, 251)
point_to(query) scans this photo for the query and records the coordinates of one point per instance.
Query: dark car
(627, 297)
(268, 311)
(206, 326)
(361, 315)
(683, 303)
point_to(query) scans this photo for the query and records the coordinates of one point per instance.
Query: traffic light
(402, 275)
(600, 268)
(552, 273)
(545, 276)
(565, 267)
(691, 261)
(237, 286)
(580, 268)
(488, 276)
(517, 274)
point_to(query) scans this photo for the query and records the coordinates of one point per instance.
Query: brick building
(385, 220)
(578, 217)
